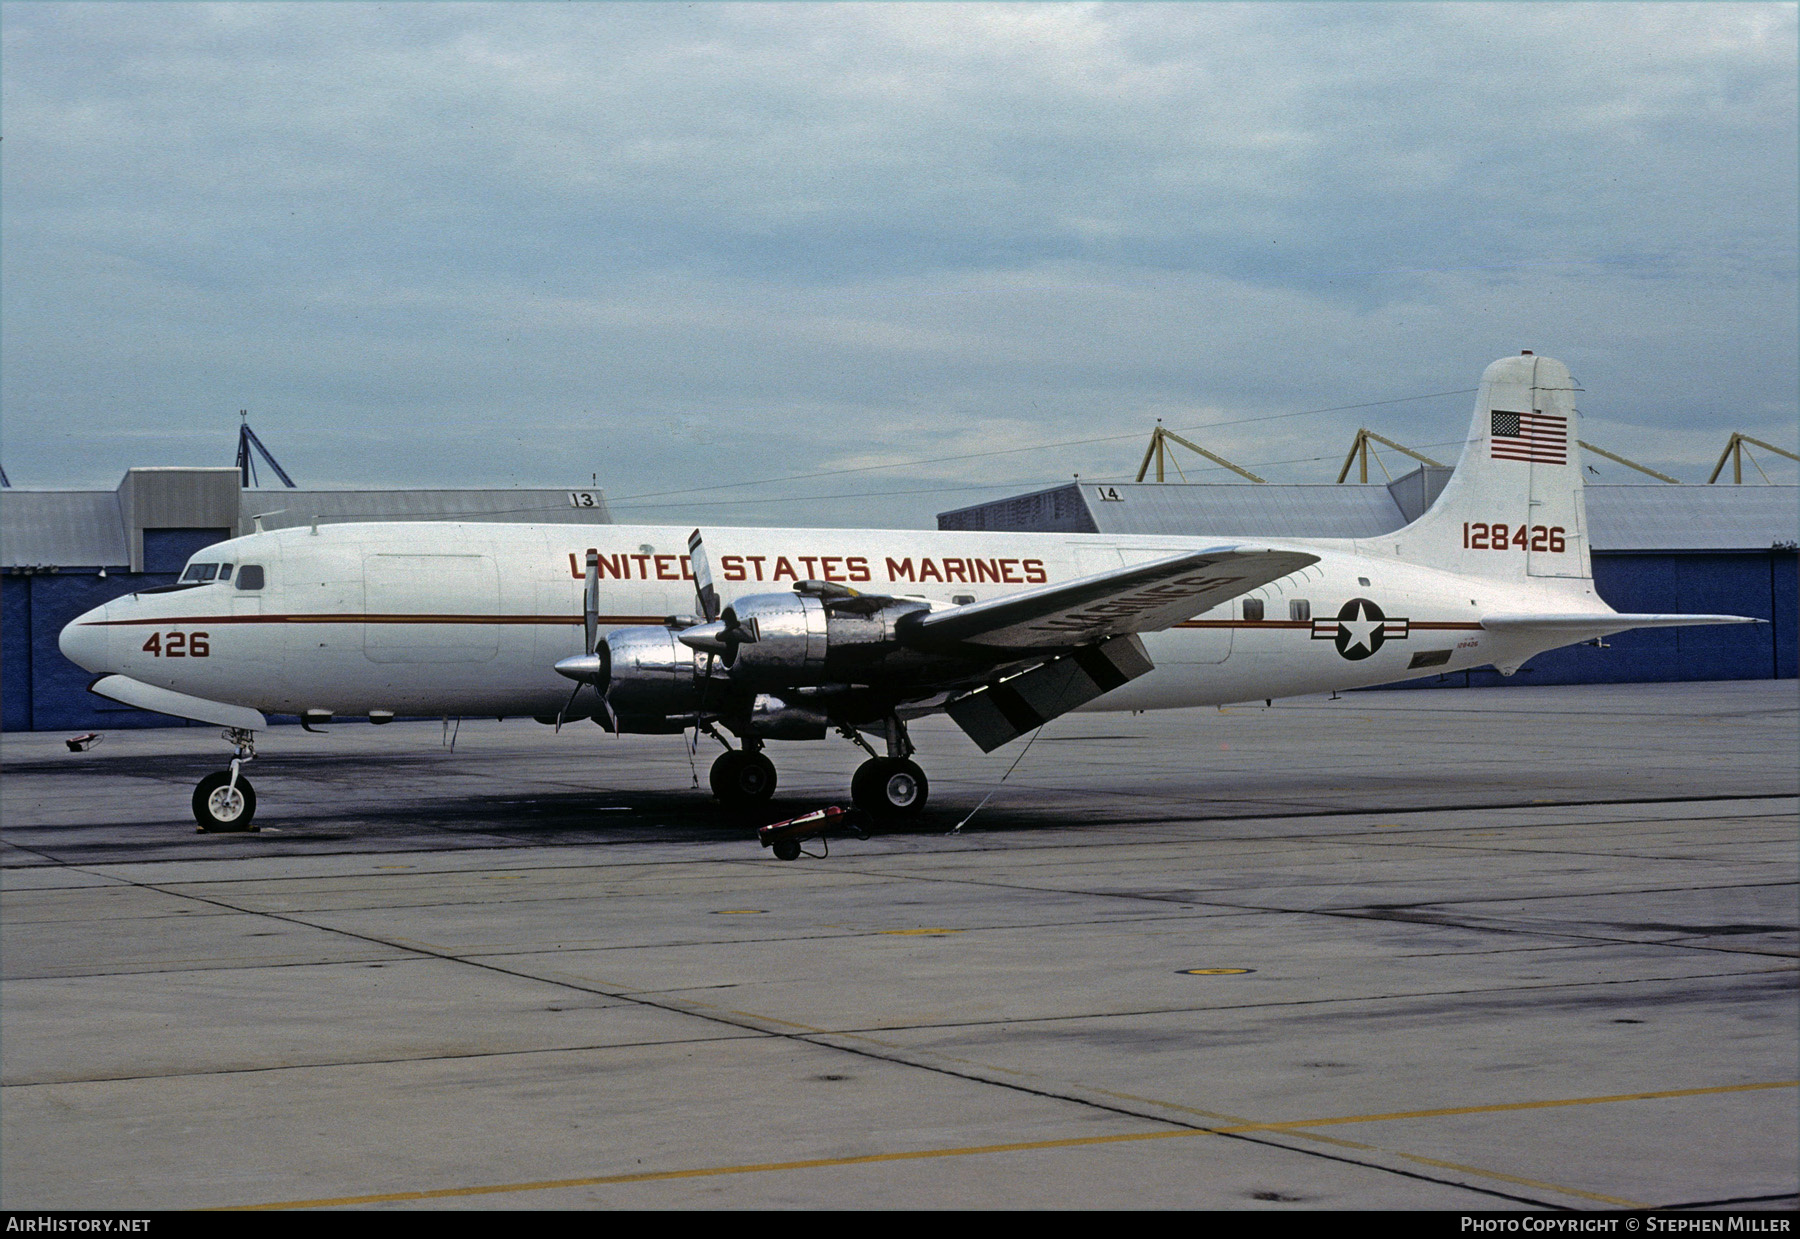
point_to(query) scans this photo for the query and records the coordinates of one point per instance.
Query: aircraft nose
(84, 641)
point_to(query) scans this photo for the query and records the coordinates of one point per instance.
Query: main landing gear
(891, 787)
(224, 800)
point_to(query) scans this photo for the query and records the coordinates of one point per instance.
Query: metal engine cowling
(651, 673)
(779, 641)
(792, 634)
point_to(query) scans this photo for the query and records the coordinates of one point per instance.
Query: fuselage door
(431, 608)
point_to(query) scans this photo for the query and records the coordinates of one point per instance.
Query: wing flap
(1003, 711)
(1141, 598)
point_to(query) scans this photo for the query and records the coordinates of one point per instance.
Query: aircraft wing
(1141, 598)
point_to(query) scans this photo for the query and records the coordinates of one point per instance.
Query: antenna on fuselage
(246, 463)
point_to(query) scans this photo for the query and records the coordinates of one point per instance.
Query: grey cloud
(874, 227)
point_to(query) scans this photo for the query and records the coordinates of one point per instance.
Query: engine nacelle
(801, 639)
(651, 673)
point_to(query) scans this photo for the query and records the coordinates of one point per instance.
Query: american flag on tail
(1541, 438)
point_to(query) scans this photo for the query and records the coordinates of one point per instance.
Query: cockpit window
(250, 576)
(224, 572)
(199, 573)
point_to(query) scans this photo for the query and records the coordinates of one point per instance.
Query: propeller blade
(590, 602)
(703, 582)
(564, 712)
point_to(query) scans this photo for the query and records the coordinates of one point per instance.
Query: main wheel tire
(219, 807)
(740, 779)
(889, 787)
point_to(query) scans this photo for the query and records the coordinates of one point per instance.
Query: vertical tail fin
(1514, 507)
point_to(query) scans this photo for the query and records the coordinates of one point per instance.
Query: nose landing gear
(224, 801)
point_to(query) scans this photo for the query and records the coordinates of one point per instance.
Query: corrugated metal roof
(1692, 518)
(63, 529)
(90, 529)
(298, 507)
(1057, 510)
(1271, 511)
(1620, 518)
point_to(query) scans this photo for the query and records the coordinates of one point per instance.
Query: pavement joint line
(906, 1059)
(1203, 901)
(650, 1176)
(1249, 847)
(1066, 839)
(1298, 815)
(339, 1064)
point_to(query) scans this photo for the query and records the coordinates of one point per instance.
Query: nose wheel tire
(740, 779)
(220, 807)
(889, 787)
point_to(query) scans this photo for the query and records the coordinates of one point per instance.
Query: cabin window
(1362, 580)
(250, 576)
(199, 573)
(1253, 610)
(1300, 610)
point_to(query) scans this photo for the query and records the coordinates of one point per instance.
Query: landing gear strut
(224, 801)
(893, 786)
(743, 777)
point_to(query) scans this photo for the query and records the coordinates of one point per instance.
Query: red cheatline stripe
(371, 619)
(621, 619)
(1245, 624)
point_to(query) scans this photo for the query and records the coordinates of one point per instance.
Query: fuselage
(470, 619)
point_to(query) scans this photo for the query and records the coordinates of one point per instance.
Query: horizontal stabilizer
(1145, 597)
(1001, 712)
(1577, 626)
(167, 701)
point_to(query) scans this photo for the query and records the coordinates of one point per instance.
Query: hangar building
(1710, 549)
(65, 551)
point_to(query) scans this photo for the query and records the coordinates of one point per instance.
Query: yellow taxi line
(651, 1176)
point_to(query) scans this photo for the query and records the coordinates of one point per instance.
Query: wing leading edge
(1141, 598)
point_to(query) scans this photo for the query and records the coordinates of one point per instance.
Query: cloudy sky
(929, 254)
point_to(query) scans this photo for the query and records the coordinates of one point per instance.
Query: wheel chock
(784, 837)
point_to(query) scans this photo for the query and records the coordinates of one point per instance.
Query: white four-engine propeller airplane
(788, 634)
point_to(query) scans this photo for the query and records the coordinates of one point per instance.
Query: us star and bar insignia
(1359, 629)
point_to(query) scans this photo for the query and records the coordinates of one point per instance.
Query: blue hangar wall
(1760, 584)
(40, 690)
